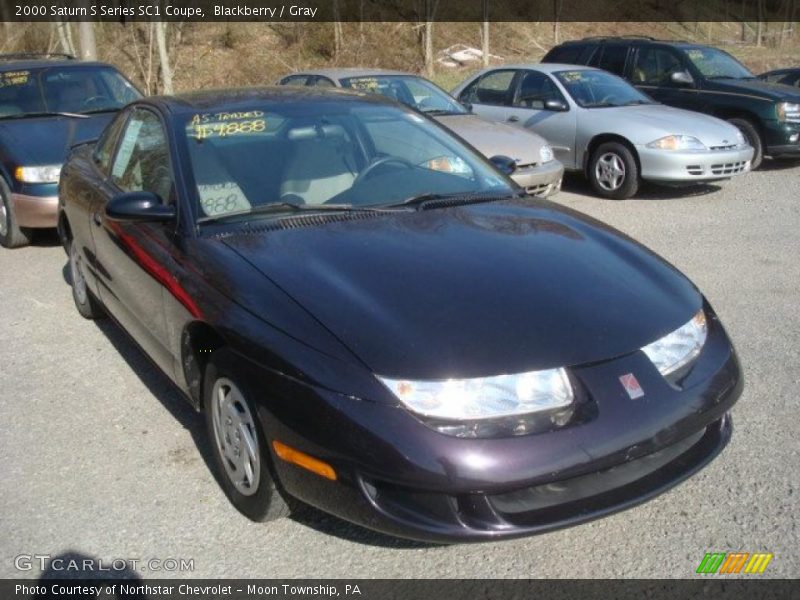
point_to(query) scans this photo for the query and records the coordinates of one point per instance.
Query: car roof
(544, 67)
(632, 40)
(41, 63)
(345, 72)
(242, 98)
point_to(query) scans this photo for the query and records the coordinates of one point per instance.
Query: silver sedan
(600, 125)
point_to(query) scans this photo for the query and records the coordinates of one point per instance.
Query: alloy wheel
(235, 436)
(610, 171)
(76, 272)
(3, 218)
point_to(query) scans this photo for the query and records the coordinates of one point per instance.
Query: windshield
(415, 92)
(78, 90)
(327, 154)
(598, 89)
(716, 64)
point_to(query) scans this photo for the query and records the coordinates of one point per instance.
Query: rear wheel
(11, 234)
(750, 133)
(613, 171)
(88, 306)
(239, 446)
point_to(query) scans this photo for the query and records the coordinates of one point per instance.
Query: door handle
(97, 219)
(513, 119)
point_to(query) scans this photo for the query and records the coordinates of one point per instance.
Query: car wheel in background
(88, 306)
(613, 171)
(753, 138)
(11, 235)
(240, 449)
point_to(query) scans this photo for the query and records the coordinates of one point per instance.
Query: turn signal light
(302, 459)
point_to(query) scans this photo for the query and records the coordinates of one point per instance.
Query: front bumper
(35, 211)
(782, 139)
(540, 180)
(399, 477)
(689, 166)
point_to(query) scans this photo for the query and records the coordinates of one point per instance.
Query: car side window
(104, 149)
(612, 59)
(493, 88)
(295, 80)
(142, 159)
(534, 90)
(321, 81)
(654, 66)
(567, 55)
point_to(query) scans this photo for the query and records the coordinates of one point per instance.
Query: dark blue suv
(48, 103)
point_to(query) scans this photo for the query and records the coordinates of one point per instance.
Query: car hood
(47, 140)
(649, 122)
(756, 87)
(493, 139)
(476, 290)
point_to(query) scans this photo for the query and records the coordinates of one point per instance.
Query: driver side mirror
(681, 78)
(139, 207)
(504, 164)
(467, 105)
(556, 105)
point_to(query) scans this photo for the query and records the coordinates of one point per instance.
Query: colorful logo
(734, 562)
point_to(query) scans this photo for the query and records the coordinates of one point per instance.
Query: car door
(532, 108)
(131, 256)
(652, 74)
(491, 94)
(84, 192)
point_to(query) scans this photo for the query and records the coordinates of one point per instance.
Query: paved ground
(100, 457)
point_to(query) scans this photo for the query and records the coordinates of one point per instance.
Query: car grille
(722, 169)
(729, 168)
(537, 190)
(728, 147)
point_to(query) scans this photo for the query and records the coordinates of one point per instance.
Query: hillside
(208, 55)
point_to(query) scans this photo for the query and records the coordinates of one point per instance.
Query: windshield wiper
(279, 207)
(465, 197)
(440, 112)
(638, 103)
(46, 114)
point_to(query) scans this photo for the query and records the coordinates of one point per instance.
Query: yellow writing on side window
(14, 78)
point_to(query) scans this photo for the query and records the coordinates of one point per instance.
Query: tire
(11, 234)
(613, 172)
(88, 306)
(229, 423)
(753, 138)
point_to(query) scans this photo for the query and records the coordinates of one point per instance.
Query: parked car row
(372, 314)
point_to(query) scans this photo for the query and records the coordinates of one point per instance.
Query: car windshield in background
(411, 91)
(326, 155)
(74, 90)
(716, 64)
(598, 89)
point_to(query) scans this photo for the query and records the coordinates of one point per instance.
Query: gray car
(599, 124)
(532, 166)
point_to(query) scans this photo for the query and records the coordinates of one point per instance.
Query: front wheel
(11, 234)
(239, 446)
(613, 172)
(750, 133)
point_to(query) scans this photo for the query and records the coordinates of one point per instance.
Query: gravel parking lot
(103, 459)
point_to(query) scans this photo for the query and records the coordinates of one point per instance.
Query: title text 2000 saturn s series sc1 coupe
(425, 352)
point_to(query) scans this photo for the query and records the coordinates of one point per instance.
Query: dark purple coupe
(377, 322)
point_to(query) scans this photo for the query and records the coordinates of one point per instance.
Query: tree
(485, 34)
(163, 56)
(86, 40)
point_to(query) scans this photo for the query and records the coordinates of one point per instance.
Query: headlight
(487, 406)
(43, 174)
(677, 142)
(680, 347)
(545, 153)
(788, 111)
